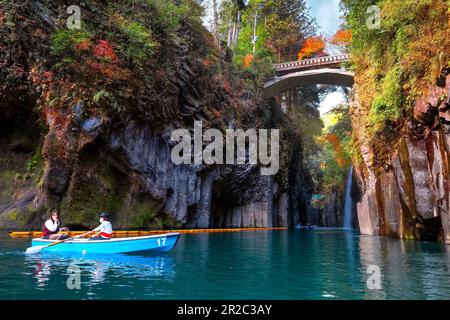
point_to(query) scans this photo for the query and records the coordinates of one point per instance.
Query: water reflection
(405, 267)
(352, 267)
(42, 273)
(100, 268)
(370, 255)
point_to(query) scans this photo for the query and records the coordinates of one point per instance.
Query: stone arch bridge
(323, 70)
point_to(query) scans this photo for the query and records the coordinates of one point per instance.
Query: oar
(37, 249)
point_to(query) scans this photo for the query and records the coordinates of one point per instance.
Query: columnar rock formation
(405, 179)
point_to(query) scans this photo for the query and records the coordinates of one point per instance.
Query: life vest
(46, 232)
(105, 235)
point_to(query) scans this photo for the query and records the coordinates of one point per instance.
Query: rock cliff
(105, 102)
(405, 180)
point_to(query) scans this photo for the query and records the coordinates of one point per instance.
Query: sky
(327, 15)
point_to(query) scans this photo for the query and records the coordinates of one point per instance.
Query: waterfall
(348, 201)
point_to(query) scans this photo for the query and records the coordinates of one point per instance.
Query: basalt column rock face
(409, 197)
(332, 214)
(262, 206)
(128, 170)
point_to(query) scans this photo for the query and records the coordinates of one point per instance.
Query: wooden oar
(37, 249)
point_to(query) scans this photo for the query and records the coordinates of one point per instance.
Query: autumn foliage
(104, 50)
(342, 38)
(313, 45)
(248, 60)
(101, 60)
(84, 45)
(106, 62)
(335, 142)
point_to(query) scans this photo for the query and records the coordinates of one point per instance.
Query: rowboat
(305, 227)
(155, 243)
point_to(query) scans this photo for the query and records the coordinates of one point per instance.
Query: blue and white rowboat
(156, 243)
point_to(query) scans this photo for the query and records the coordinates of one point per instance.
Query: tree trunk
(216, 23)
(237, 28)
(230, 33)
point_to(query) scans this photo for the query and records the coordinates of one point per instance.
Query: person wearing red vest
(104, 230)
(51, 228)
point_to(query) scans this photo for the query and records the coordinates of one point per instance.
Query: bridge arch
(337, 77)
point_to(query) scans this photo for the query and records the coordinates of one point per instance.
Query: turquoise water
(296, 264)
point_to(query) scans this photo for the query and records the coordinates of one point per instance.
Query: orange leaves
(207, 62)
(248, 60)
(105, 50)
(342, 38)
(107, 63)
(313, 45)
(83, 45)
(335, 142)
(101, 59)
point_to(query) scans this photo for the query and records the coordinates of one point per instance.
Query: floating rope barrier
(134, 233)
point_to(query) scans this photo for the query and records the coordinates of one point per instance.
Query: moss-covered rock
(21, 215)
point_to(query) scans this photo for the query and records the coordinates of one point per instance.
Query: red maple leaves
(105, 51)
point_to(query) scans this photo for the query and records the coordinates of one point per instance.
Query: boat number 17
(161, 242)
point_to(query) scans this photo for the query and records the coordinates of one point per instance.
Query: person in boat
(51, 228)
(104, 230)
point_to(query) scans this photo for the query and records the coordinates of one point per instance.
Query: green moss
(35, 163)
(169, 222)
(85, 205)
(409, 236)
(144, 216)
(31, 208)
(19, 218)
(8, 176)
(86, 200)
(7, 185)
(13, 215)
(156, 224)
(388, 103)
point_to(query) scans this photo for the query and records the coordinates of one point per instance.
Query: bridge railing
(300, 64)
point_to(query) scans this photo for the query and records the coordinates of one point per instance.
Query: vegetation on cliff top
(398, 60)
